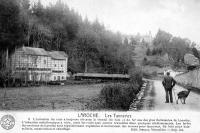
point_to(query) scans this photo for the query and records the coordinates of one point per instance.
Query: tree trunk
(86, 66)
(6, 58)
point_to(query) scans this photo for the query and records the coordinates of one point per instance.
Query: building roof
(34, 51)
(58, 55)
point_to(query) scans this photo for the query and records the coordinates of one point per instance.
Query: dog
(182, 96)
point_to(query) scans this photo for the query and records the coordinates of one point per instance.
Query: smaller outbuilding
(59, 61)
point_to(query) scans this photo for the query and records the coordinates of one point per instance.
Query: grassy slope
(140, 52)
(70, 97)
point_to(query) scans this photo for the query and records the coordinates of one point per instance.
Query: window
(55, 65)
(61, 65)
(54, 77)
(45, 62)
(58, 78)
(62, 77)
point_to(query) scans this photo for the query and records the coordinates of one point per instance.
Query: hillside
(153, 64)
(56, 27)
(140, 53)
(166, 52)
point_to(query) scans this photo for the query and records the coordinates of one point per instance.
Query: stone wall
(191, 78)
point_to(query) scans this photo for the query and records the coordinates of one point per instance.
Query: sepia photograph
(99, 55)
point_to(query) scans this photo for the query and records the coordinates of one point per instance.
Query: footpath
(152, 97)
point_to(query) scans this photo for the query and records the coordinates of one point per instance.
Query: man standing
(168, 84)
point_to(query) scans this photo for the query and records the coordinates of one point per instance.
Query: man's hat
(168, 73)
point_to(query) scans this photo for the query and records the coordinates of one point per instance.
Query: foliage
(148, 52)
(162, 39)
(155, 62)
(119, 95)
(144, 61)
(134, 41)
(89, 45)
(175, 47)
(136, 76)
(4, 77)
(12, 28)
(178, 48)
(195, 52)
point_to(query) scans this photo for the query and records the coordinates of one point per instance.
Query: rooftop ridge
(60, 55)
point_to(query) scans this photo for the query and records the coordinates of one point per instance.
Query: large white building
(36, 64)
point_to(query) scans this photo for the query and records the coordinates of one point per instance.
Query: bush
(147, 75)
(136, 76)
(155, 62)
(144, 62)
(119, 95)
(148, 52)
(4, 77)
(154, 73)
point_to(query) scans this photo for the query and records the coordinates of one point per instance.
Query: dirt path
(155, 99)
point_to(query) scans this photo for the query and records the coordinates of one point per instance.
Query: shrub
(155, 62)
(147, 75)
(148, 52)
(136, 76)
(4, 77)
(119, 95)
(144, 62)
(154, 73)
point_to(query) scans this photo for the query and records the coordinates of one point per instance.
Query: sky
(178, 17)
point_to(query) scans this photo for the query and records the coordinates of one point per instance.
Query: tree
(178, 48)
(148, 52)
(162, 40)
(196, 52)
(126, 41)
(11, 28)
(57, 27)
(133, 41)
(86, 47)
(26, 17)
(175, 47)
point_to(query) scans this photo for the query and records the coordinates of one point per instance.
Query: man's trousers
(169, 95)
